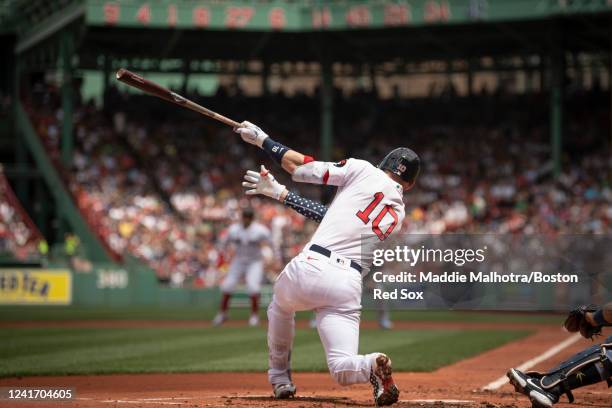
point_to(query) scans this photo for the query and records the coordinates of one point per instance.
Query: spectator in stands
(19, 237)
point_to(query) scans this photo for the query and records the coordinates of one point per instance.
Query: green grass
(63, 351)
(42, 313)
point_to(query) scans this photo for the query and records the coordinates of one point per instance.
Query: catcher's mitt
(576, 322)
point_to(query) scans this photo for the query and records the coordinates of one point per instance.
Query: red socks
(225, 299)
(255, 303)
(225, 302)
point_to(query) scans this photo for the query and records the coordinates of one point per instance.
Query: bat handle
(228, 121)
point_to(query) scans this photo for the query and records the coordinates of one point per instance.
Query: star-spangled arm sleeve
(308, 208)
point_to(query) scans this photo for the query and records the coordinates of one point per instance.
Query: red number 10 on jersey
(364, 215)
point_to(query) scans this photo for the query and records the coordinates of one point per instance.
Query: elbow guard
(317, 172)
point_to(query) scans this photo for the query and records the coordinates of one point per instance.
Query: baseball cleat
(254, 320)
(284, 391)
(219, 319)
(385, 390)
(530, 386)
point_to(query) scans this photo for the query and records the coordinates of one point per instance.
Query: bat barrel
(121, 73)
(136, 81)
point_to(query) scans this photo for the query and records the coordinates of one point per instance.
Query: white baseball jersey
(247, 241)
(368, 203)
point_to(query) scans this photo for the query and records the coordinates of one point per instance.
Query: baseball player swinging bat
(150, 87)
(327, 275)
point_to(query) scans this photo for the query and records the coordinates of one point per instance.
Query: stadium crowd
(162, 184)
(19, 237)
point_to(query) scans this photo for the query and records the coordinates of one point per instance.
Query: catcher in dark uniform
(588, 367)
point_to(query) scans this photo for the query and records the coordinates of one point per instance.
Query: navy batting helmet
(403, 162)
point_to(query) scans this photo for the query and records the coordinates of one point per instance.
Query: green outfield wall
(110, 285)
(106, 285)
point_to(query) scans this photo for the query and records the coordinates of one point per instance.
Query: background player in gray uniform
(246, 238)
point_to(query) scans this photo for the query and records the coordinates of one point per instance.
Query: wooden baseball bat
(150, 87)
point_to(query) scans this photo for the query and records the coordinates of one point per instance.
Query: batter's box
(298, 399)
(417, 403)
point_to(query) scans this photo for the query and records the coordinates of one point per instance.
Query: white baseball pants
(312, 281)
(252, 270)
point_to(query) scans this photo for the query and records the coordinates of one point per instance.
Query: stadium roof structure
(348, 31)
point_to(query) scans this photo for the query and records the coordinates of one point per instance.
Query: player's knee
(275, 310)
(253, 290)
(342, 377)
(281, 301)
(270, 311)
(227, 286)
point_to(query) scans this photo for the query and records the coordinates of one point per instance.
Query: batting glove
(251, 133)
(262, 183)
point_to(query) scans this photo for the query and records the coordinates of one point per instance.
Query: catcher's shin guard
(588, 367)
